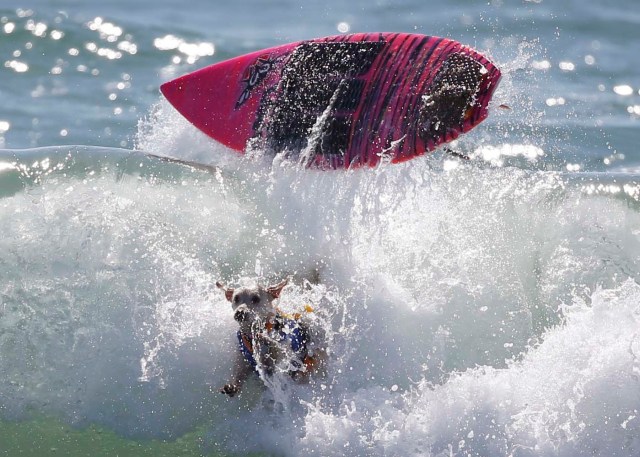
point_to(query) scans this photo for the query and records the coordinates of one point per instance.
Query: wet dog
(266, 337)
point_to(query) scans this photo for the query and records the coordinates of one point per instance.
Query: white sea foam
(471, 311)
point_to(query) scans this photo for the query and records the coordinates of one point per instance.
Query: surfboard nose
(173, 91)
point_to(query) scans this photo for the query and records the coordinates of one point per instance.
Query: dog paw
(229, 389)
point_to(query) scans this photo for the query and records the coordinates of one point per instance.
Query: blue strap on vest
(288, 331)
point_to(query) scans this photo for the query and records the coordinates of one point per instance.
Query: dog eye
(236, 299)
(255, 299)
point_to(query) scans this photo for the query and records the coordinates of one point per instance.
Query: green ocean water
(52, 437)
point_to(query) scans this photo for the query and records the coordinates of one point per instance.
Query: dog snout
(242, 314)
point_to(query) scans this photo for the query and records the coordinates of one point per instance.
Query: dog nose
(242, 314)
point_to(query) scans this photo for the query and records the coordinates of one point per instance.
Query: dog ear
(274, 291)
(228, 293)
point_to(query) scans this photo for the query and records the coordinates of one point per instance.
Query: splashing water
(469, 308)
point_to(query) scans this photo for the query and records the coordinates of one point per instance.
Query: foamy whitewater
(469, 310)
(488, 307)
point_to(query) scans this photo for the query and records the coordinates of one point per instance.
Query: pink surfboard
(341, 101)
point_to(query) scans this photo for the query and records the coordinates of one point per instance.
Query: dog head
(252, 303)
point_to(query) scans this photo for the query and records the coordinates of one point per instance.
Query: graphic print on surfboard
(341, 101)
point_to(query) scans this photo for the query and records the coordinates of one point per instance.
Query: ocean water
(481, 308)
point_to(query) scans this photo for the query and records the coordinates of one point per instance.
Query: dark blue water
(481, 308)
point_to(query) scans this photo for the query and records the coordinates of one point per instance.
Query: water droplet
(343, 27)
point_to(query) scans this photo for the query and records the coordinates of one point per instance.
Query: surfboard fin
(457, 154)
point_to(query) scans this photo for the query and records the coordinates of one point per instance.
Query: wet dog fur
(252, 306)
